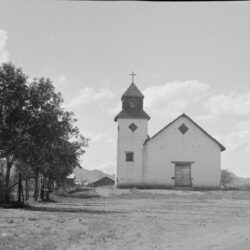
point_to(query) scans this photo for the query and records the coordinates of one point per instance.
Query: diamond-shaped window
(183, 128)
(133, 127)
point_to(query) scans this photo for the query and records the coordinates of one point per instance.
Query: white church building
(181, 154)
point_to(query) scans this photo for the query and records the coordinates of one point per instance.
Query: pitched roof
(141, 114)
(105, 181)
(132, 91)
(184, 115)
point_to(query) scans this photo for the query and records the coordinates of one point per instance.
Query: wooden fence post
(19, 188)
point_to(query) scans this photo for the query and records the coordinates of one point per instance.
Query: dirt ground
(132, 219)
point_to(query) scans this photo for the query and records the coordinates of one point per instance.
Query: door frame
(186, 163)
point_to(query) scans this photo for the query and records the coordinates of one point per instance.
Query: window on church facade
(183, 128)
(129, 156)
(132, 127)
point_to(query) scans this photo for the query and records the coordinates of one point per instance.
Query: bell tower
(132, 133)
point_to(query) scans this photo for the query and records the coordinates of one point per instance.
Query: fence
(21, 189)
(18, 190)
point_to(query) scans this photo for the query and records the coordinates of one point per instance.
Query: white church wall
(193, 146)
(130, 173)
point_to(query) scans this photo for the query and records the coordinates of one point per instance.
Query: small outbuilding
(105, 181)
(70, 180)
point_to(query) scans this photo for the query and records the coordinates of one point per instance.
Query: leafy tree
(35, 130)
(13, 101)
(63, 158)
(48, 149)
(42, 113)
(226, 178)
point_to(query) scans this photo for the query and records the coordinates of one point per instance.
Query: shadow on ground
(68, 210)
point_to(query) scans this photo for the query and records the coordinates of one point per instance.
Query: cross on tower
(132, 74)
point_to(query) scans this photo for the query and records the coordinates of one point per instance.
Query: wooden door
(183, 175)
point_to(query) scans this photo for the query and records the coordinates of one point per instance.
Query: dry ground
(132, 219)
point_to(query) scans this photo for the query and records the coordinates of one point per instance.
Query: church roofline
(137, 115)
(132, 91)
(186, 116)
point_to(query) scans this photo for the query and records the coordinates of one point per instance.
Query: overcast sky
(189, 57)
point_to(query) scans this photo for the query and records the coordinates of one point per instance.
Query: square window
(129, 156)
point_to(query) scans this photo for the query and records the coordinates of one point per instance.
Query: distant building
(105, 181)
(81, 182)
(182, 154)
(70, 180)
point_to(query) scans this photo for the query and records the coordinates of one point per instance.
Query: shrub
(226, 178)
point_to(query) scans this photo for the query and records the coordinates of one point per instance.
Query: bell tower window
(132, 103)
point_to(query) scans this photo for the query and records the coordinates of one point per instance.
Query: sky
(191, 58)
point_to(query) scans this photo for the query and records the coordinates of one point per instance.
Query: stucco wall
(130, 173)
(171, 145)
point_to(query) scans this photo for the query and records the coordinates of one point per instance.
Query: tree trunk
(36, 185)
(26, 189)
(20, 189)
(48, 187)
(7, 180)
(42, 190)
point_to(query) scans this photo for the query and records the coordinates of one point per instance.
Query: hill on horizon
(239, 182)
(83, 174)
